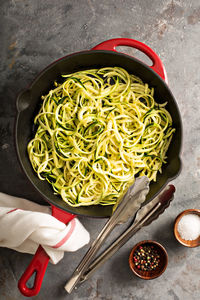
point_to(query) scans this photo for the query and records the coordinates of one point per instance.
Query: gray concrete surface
(35, 33)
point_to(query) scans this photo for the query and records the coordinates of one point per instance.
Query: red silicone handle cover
(111, 45)
(40, 261)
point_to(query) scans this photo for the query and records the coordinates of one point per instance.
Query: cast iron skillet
(28, 102)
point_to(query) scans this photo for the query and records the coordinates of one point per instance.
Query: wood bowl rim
(186, 243)
(161, 270)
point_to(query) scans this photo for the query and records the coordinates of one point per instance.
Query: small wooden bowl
(193, 243)
(161, 266)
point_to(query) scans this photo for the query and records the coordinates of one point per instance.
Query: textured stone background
(35, 33)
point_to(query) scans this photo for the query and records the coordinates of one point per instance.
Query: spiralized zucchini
(96, 132)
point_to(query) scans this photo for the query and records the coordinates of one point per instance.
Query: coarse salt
(189, 227)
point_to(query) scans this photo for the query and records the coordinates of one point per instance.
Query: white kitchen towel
(24, 225)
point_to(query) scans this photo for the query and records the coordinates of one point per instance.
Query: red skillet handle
(40, 261)
(157, 66)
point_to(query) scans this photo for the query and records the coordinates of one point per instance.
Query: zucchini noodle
(96, 132)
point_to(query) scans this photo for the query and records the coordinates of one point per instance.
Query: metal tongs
(127, 208)
(144, 217)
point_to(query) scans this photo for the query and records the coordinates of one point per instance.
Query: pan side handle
(40, 261)
(157, 66)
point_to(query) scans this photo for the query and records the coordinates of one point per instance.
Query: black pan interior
(28, 105)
